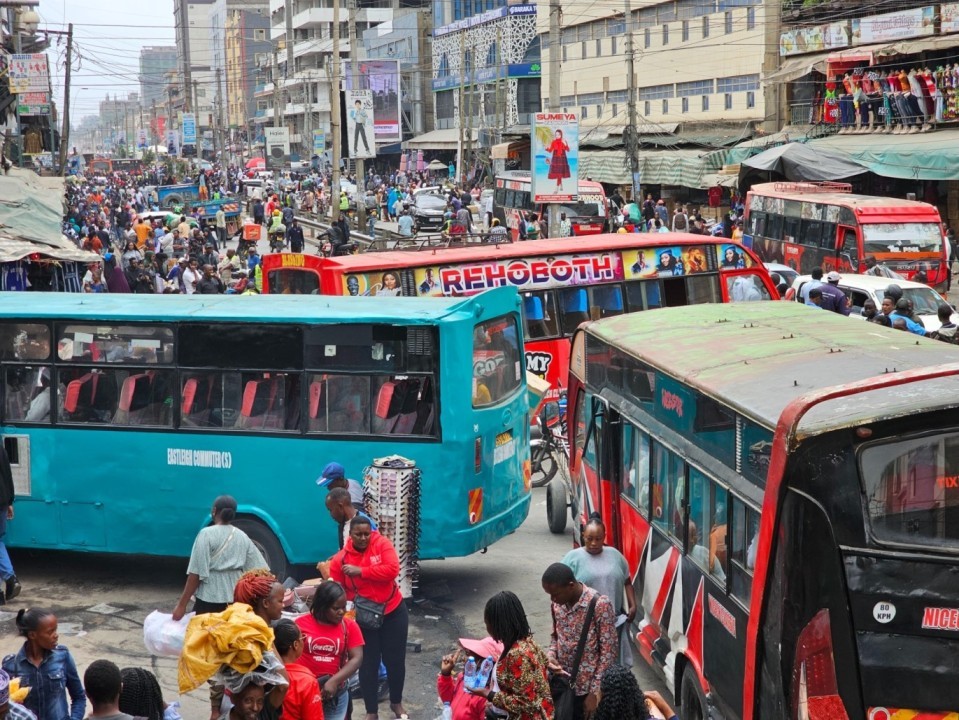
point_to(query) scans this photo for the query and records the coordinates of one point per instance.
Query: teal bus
(125, 415)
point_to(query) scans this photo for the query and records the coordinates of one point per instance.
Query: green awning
(684, 167)
(921, 156)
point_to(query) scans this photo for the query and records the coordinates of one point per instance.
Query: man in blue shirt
(901, 311)
(405, 223)
(833, 298)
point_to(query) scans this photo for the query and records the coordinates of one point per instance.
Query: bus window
(911, 490)
(810, 233)
(636, 467)
(757, 224)
(827, 240)
(674, 292)
(240, 400)
(742, 553)
(607, 301)
(850, 247)
(791, 230)
(140, 344)
(496, 366)
(117, 396)
(27, 394)
(293, 282)
(539, 315)
(774, 226)
(24, 341)
(746, 288)
(339, 403)
(643, 295)
(403, 405)
(703, 289)
(668, 486)
(706, 532)
(574, 305)
(215, 345)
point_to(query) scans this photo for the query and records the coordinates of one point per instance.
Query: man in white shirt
(191, 276)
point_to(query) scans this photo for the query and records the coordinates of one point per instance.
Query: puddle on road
(71, 629)
(104, 609)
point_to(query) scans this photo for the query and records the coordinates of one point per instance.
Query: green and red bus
(563, 282)
(784, 484)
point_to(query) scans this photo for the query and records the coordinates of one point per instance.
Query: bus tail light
(815, 692)
(478, 455)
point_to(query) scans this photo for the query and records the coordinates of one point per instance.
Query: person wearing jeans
(367, 568)
(11, 586)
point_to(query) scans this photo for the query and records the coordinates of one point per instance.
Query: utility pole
(355, 84)
(288, 13)
(500, 98)
(276, 92)
(461, 110)
(554, 56)
(65, 134)
(335, 115)
(631, 151)
(220, 120)
(185, 37)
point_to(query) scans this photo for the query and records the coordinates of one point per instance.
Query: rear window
(430, 202)
(497, 371)
(912, 490)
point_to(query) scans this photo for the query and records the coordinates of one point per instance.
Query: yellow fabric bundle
(236, 637)
(18, 694)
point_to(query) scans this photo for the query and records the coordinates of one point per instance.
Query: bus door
(849, 255)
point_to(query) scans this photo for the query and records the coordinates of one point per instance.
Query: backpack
(680, 221)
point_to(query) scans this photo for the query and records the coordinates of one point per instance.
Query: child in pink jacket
(465, 706)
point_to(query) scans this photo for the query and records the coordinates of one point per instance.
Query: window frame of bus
(37, 365)
(503, 394)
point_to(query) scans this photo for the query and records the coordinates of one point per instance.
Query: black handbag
(369, 613)
(561, 686)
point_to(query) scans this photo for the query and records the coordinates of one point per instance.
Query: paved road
(101, 603)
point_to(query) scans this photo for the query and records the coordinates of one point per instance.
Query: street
(101, 601)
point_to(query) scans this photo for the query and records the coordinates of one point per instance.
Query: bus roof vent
(419, 341)
(739, 444)
(813, 187)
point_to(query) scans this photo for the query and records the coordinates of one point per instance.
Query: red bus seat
(134, 405)
(257, 408)
(80, 393)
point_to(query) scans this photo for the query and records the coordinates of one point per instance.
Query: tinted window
(636, 467)
(227, 345)
(497, 371)
(24, 341)
(27, 394)
(746, 288)
(706, 531)
(359, 347)
(293, 282)
(540, 318)
(128, 344)
(240, 400)
(116, 396)
(668, 487)
(742, 547)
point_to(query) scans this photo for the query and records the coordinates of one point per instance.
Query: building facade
(195, 48)
(155, 63)
(247, 45)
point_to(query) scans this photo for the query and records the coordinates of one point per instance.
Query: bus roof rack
(813, 187)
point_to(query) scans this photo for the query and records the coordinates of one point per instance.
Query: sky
(107, 37)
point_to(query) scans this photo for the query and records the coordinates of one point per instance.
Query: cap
(484, 647)
(333, 471)
(833, 277)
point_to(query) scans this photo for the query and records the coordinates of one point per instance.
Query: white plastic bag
(162, 635)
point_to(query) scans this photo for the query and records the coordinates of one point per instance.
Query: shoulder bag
(561, 686)
(369, 613)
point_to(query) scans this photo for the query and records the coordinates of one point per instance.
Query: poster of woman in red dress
(558, 162)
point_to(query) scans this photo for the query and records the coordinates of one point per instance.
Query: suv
(859, 288)
(428, 210)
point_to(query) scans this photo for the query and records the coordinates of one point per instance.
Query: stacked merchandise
(392, 489)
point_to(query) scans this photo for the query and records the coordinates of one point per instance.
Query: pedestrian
(221, 554)
(334, 476)
(947, 331)
(833, 298)
(10, 710)
(575, 606)
(815, 282)
(264, 594)
(405, 223)
(47, 666)
(210, 284)
(521, 689)
(102, 684)
(141, 696)
(220, 228)
(11, 586)
(450, 688)
(294, 233)
(622, 699)
(604, 569)
(368, 567)
(302, 700)
(333, 647)
(191, 276)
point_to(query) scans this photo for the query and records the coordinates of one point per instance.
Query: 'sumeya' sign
(555, 157)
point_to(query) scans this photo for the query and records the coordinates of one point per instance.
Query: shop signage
(29, 73)
(33, 103)
(950, 18)
(814, 39)
(488, 16)
(894, 26)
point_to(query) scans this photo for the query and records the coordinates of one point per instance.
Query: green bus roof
(758, 357)
(230, 308)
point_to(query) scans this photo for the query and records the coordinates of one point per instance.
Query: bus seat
(609, 299)
(134, 400)
(80, 393)
(188, 396)
(316, 394)
(384, 398)
(535, 318)
(575, 309)
(255, 394)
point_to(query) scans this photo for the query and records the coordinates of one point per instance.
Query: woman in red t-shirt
(302, 701)
(333, 648)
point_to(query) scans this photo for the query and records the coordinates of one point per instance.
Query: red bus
(561, 285)
(512, 193)
(807, 225)
(783, 485)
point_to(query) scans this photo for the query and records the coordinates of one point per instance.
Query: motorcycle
(547, 438)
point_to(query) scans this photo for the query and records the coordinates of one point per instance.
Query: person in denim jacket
(47, 668)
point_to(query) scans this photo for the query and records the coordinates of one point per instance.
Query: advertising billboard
(359, 124)
(29, 73)
(277, 141)
(894, 26)
(382, 79)
(33, 103)
(319, 142)
(189, 129)
(555, 157)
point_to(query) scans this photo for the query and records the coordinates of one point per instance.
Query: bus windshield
(912, 490)
(583, 208)
(901, 237)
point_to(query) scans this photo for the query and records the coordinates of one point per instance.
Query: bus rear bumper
(482, 534)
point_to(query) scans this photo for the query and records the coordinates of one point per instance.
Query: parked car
(859, 288)
(785, 272)
(428, 210)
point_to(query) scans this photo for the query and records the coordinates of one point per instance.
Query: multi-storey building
(155, 63)
(246, 40)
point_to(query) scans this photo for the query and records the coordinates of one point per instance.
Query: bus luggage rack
(432, 241)
(813, 187)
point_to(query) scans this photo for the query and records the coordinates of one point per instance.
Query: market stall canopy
(439, 140)
(800, 162)
(682, 167)
(932, 156)
(31, 216)
(437, 165)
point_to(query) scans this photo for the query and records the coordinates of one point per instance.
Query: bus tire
(692, 700)
(172, 200)
(556, 506)
(266, 543)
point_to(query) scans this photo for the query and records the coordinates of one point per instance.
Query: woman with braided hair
(141, 696)
(260, 590)
(622, 699)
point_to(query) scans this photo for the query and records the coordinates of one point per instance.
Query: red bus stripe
(668, 576)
